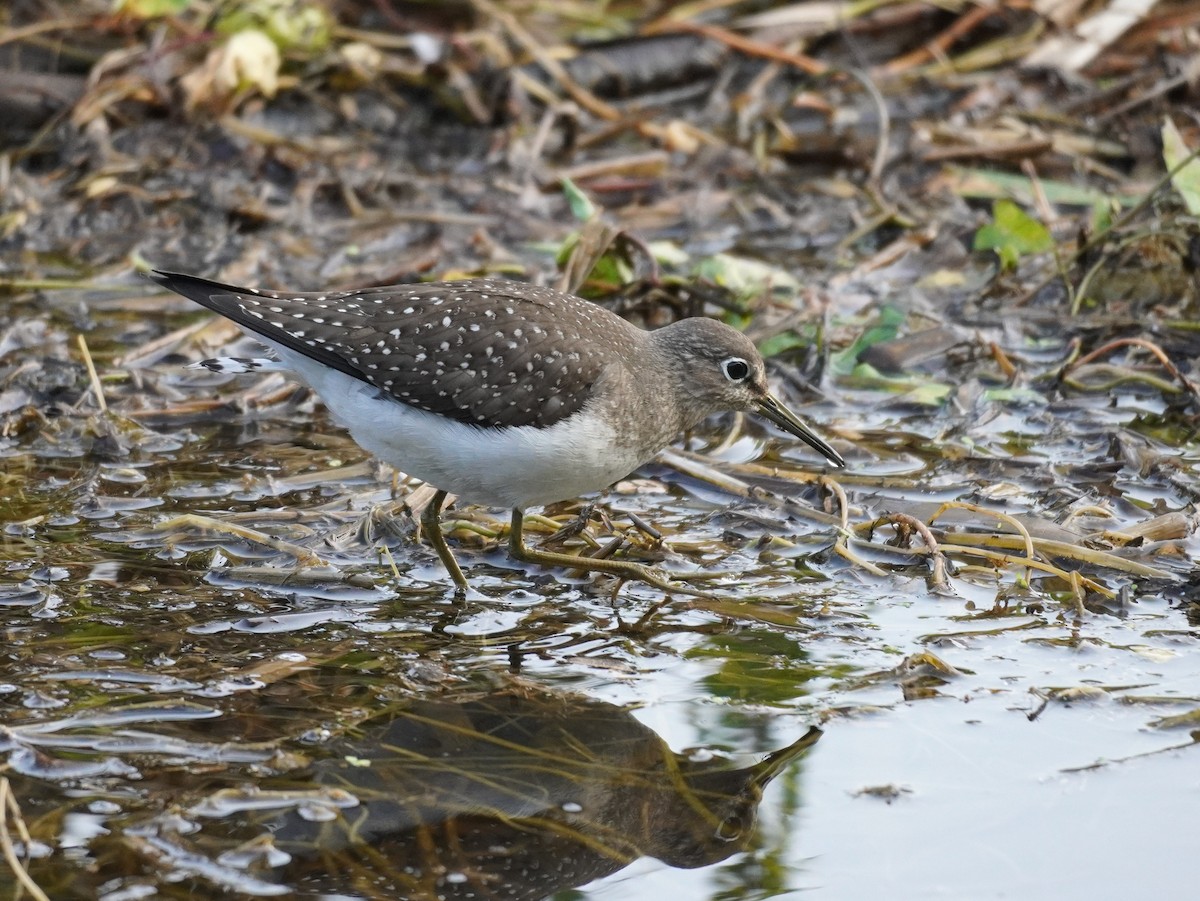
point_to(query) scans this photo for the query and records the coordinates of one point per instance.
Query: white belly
(517, 467)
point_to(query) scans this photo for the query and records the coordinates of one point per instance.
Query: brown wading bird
(505, 393)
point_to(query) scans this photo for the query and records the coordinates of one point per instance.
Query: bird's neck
(678, 394)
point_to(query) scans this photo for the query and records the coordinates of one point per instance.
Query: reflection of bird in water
(511, 795)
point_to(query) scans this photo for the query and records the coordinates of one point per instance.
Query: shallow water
(972, 747)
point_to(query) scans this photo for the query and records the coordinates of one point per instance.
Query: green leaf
(1101, 219)
(668, 253)
(931, 394)
(1012, 233)
(291, 24)
(1187, 178)
(581, 205)
(611, 270)
(885, 328)
(744, 276)
(150, 9)
(783, 342)
(988, 184)
(913, 389)
(1018, 396)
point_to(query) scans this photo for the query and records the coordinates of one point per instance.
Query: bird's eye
(736, 369)
(730, 829)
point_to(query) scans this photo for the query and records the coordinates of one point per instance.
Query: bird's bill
(774, 764)
(775, 412)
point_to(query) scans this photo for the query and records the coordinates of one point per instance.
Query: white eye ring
(736, 369)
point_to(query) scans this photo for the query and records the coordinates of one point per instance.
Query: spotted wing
(484, 352)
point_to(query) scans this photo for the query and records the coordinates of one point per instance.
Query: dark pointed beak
(779, 415)
(774, 764)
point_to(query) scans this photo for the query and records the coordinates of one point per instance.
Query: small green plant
(1012, 233)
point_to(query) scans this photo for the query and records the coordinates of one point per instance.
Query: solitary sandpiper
(505, 393)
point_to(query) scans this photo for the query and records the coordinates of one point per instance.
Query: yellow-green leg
(626, 569)
(432, 526)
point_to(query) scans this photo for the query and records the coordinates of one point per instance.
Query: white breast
(514, 467)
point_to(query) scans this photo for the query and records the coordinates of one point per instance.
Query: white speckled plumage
(501, 392)
(517, 466)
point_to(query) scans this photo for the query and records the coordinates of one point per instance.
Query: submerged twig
(841, 547)
(1188, 385)
(304, 556)
(937, 558)
(1050, 547)
(997, 558)
(92, 374)
(10, 811)
(1003, 517)
(694, 466)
